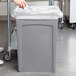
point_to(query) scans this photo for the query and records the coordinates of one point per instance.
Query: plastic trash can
(36, 39)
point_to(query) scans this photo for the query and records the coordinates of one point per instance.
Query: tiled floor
(65, 53)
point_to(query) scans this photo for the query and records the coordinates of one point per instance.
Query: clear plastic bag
(37, 11)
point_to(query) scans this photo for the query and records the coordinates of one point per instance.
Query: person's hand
(20, 3)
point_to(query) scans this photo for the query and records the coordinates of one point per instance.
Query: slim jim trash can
(36, 39)
(36, 44)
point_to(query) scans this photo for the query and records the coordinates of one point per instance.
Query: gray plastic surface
(36, 45)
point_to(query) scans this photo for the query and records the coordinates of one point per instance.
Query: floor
(65, 53)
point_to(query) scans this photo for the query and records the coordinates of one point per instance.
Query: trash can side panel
(37, 41)
(54, 46)
(38, 25)
(19, 46)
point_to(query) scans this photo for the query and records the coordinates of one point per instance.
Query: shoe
(1, 62)
(1, 49)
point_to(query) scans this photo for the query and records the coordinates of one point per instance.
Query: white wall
(3, 8)
(3, 5)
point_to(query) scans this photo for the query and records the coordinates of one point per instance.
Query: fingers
(22, 4)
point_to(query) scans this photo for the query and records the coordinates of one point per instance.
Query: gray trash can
(36, 37)
(36, 44)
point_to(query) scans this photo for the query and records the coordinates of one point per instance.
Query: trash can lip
(37, 17)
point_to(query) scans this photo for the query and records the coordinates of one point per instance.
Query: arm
(20, 3)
